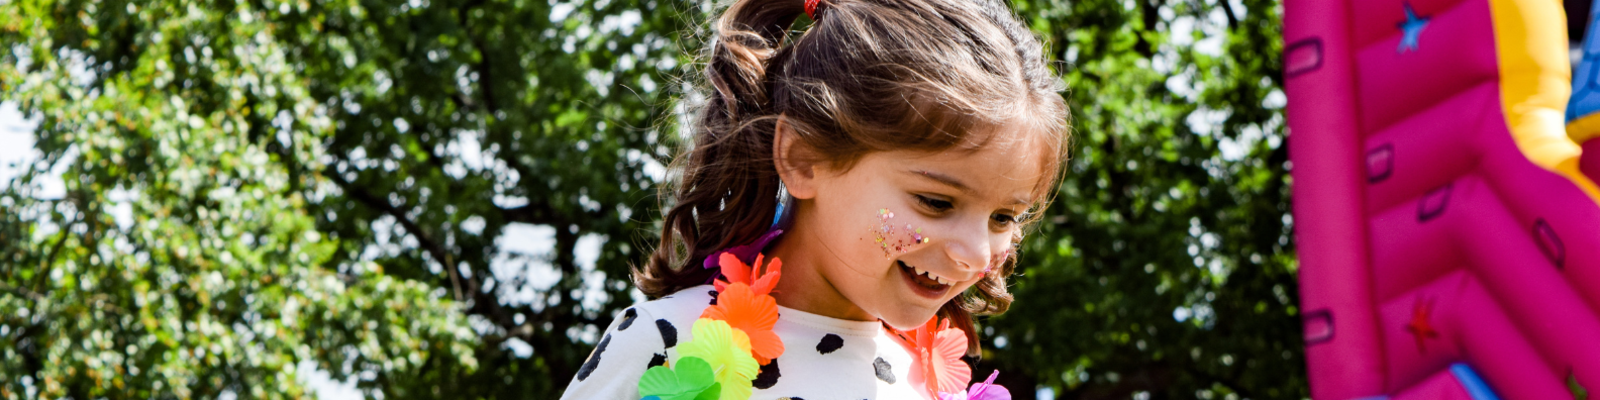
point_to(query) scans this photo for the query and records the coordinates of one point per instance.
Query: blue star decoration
(1412, 28)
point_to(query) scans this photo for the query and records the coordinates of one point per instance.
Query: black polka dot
(627, 319)
(829, 343)
(768, 376)
(594, 359)
(713, 297)
(669, 333)
(885, 372)
(658, 359)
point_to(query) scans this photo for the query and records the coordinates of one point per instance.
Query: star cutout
(1419, 325)
(1412, 28)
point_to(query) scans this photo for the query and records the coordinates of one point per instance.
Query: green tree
(219, 279)
(1168, 261)
(255, 184)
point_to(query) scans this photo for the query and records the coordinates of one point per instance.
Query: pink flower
(938, 348)
(985, 390)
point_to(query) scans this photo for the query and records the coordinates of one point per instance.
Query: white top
(824, 358)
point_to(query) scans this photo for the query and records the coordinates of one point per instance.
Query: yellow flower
(728, 352)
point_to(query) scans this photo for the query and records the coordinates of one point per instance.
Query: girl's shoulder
(668, 317)
(639, 338)
(684, 306)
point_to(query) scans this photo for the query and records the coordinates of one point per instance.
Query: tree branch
(1227, 10)
(50, 258)
(433, 248)
(482, 66)
(1149, 10)
(537, 214)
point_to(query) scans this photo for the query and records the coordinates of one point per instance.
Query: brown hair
(868, 75)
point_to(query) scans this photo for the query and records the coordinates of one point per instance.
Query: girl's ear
(796, 162)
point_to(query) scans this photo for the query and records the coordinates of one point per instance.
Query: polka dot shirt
(823, 359)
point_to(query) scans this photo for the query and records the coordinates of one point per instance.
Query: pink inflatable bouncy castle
(1449, 235)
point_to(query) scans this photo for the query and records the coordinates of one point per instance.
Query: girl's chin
(906, 321)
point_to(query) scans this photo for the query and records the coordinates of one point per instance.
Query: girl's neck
(803, 287)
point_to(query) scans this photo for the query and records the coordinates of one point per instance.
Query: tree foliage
(255, 186)
(1167, 264)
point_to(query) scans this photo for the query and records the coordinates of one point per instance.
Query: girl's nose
(969, 247)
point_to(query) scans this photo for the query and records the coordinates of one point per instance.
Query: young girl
(850, 201)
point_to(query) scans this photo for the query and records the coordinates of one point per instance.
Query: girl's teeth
(930, 275)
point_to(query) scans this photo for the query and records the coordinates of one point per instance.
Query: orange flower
(754, 314)
(760, 281)
(938, 348)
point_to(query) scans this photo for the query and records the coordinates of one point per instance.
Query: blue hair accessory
(783, 218)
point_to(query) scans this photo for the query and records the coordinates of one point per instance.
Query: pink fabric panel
(1378, 17)
(1441, 385)
(1501, 353)
(1429, 149)
(1590, 162)
(1409, 191)
(1343, 352)
(1407, 254)
(1455, 53)
(1470, 327)
(1539, 300)
(1470, 227)
(1408, 362)
(1561, 218)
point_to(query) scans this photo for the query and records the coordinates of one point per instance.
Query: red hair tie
(811, 8)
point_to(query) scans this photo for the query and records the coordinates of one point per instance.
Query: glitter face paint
(894, 239)
(999, 258)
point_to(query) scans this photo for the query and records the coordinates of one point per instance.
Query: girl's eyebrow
(942, 178)
(955, 183)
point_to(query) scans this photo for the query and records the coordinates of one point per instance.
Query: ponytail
(728, 191)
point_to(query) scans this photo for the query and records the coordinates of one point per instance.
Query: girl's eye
(935, 204)
(1002, 221)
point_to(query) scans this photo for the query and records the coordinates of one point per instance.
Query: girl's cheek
(998, 260)
(892, 237)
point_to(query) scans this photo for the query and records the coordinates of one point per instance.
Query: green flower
(692, 379)
(727, 350)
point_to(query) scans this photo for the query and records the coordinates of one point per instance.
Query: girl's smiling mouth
(924, 283)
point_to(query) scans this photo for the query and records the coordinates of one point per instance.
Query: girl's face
(901, 233)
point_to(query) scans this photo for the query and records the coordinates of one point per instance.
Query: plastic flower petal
(938, 348)
(691, 379)
(727, 350)
(760, 280)
(733, 270)
(948, 347)
(987, 390)
(752, 313)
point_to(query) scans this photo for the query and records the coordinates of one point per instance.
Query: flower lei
(733, 339)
